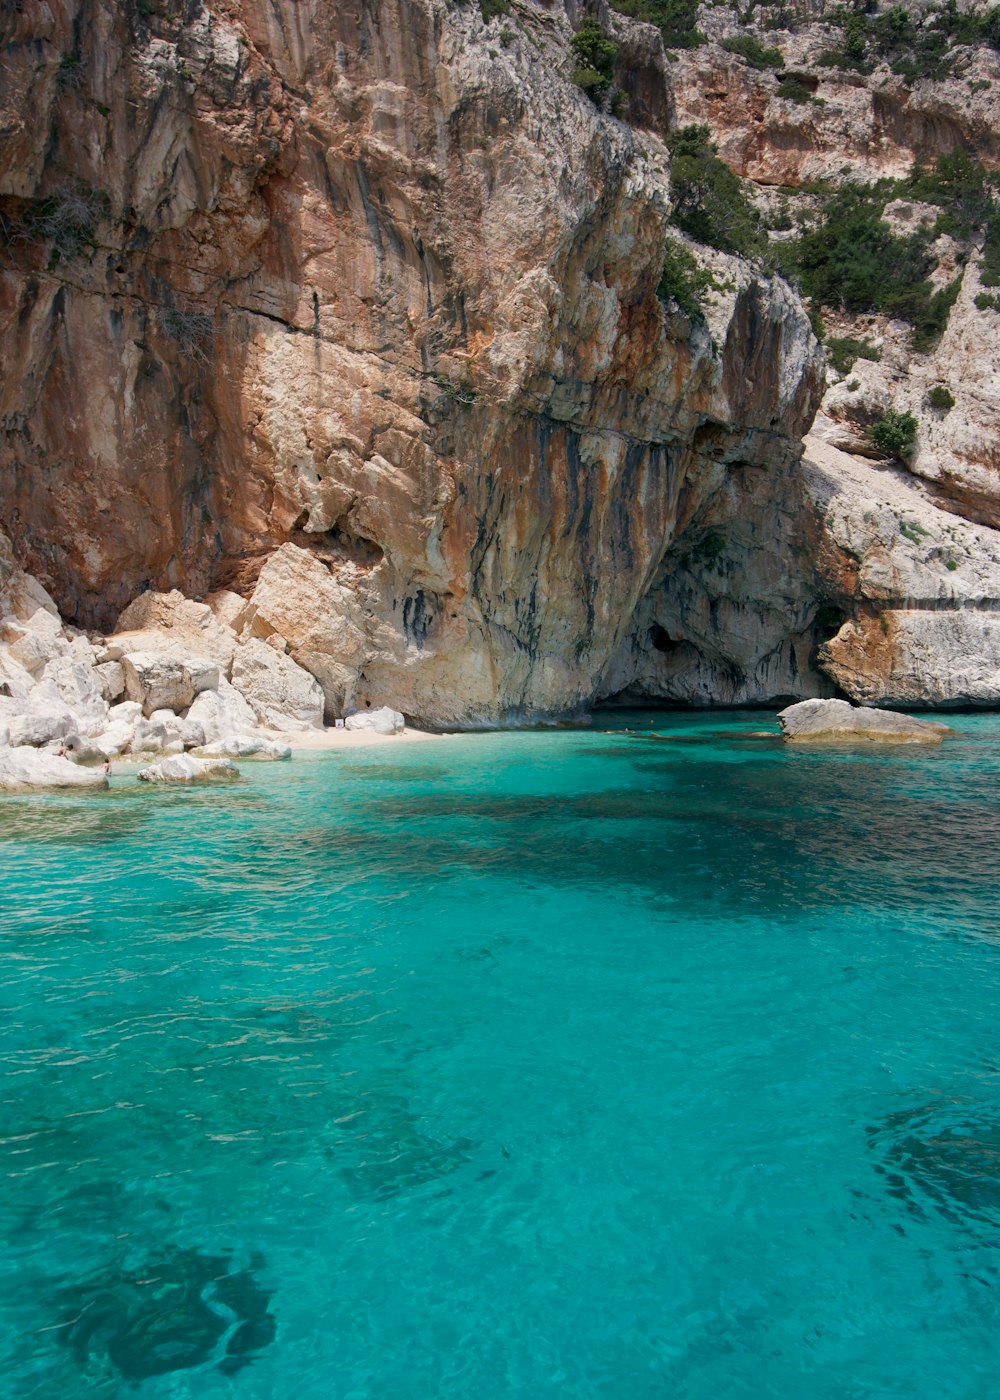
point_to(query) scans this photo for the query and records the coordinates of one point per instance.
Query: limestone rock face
(877, 127)
(378, 348)
(159, 682)
(280, 693)
(835, 721)
(917, 587)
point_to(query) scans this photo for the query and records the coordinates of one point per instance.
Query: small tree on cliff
(596, 53)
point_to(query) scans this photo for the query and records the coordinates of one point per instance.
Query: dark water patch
(942, 1157)
(394, 773)
(711, 830)
(175, 1312)
(394, 1152)
(94, 822)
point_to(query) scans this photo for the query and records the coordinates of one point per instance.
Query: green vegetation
(894, 434)
(914, 45)
(941, 397)
(851, 259)
(752, 51)
(985, 302)
(460, 390)
(677, 20)
(596, 54)
(844, 350)
(684, 280)
(491, 8)
(70, 73)
(709, 201)
(963, 191)
(913, 531)
(794, 90)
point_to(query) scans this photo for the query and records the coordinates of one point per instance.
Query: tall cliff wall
(353, 310)
(376, 280)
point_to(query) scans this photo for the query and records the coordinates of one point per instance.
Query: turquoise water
(536, 1065)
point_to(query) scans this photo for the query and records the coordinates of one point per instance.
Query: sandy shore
(353, 738)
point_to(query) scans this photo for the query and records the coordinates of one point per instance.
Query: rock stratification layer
(359, 304)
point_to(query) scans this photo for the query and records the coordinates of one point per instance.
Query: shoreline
(330, 739)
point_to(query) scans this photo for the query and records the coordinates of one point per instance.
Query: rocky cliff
(356, 312)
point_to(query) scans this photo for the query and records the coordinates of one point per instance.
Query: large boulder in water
(186, 768)
(246, 746)
(836, 721)
(24, 769)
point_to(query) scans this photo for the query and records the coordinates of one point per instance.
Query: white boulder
(111, 679)
(186, 768)
(36, 727)
(159, 681)
(383, 720)
(246, 746)
(23, 769)
(836, 721)
(171, 623)
(280, 693)
(221, 712)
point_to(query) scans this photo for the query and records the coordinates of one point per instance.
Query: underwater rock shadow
(175, 1312)
(942, 1158)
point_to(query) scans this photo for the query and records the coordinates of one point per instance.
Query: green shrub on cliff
(941, 398)
(844, 350)
(596, 54)
(752, 51)
(684, 280)
(852, 259)
(677, 20)
(894, 433)
(915, 45)
(709, 202)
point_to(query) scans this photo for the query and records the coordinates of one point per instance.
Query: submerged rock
(835, 721)
(384, 720)
(246, 746)
(24, 768)
(186, 768)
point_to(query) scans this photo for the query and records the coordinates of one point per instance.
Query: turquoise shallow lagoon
(568, 1064)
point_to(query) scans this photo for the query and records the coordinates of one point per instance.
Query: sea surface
(633, 1065)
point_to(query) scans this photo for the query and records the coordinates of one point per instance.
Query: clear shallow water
(532, 1065)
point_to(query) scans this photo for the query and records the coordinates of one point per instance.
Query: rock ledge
(835, 721)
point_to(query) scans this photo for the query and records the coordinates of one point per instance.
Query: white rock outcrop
(921, 586)
(159, 681)
(321, 621)
(253, 746)
(383, 720)
(836, 721)
(186, 768)
(23, 769)
(169, 622)
(280, 693)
